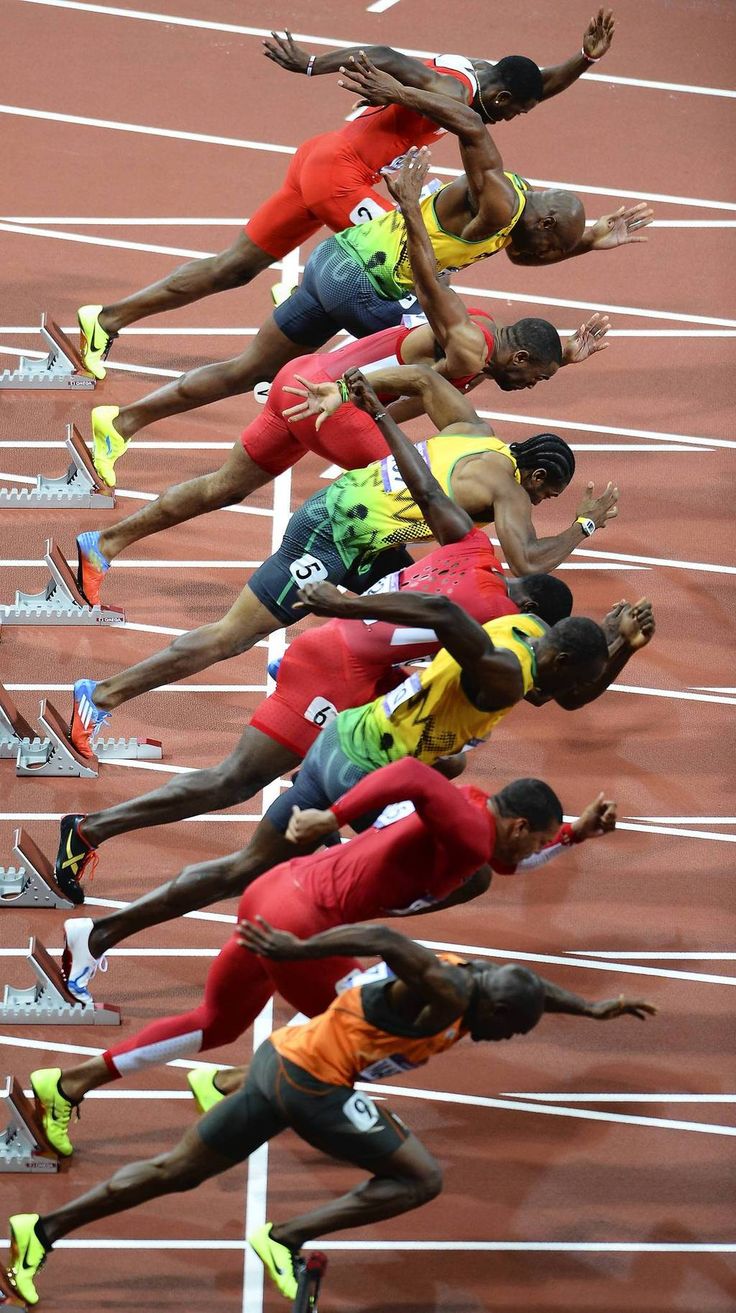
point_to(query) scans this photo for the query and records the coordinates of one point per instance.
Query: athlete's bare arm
(597, 40)
(491, 676)
(448, 409)
(557, 999)
(284, 51)
(461, 340)
(628, 629)
(494, 199)
(524, 552)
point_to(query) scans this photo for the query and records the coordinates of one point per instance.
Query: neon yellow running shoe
(202, 1084)
(53, 1109)
(27, 1255)
(94, 341)
(281, 292)
(281, 1263)
(108, 444)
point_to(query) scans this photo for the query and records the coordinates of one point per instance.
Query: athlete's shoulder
(458, 66)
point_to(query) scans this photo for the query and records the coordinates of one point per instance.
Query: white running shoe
(77, 963)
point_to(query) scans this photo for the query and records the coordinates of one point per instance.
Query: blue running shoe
(86, 717)
(92, 567)
(273, 669)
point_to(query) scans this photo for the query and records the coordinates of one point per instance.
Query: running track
(586, 1168)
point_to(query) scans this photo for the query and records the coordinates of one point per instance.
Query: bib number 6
(308, 569)
(320, 712)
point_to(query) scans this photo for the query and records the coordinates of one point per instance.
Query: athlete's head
(546, 465)
(551, 224)
(510, 87)
(528, 815)
(573, 652)
(505, 1001)
(525, 353)
(543, 595)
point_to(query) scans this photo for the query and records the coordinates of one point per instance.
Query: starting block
(54, 754)
(49, 1002)
(31, 883)
(63, 366)
(23, 1145)
(81, 488)
(310, 1280)
(60, 603)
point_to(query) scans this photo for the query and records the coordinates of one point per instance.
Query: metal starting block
(55, 754)
(23, 1145)
(79, 489)
(63, 367)
(60, 603)
(49, 1002)
(31, 883)
(310, 1280)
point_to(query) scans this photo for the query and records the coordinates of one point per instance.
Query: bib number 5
(308, 569)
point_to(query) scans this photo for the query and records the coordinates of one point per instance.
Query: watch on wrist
(587, 525)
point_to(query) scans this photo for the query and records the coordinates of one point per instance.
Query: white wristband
(592, 59)
(310, 66)
(588, 526)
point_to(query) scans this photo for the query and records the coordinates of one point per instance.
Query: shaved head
(552, 223)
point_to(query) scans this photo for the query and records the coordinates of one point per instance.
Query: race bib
(396, 811)
(401, 694)
(366, 210)
(362, 1112)
(320, 712)
(308, 569)
(390, 476)
(364, 976)
(384, 1067)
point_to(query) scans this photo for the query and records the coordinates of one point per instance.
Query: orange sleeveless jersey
(341, 1045)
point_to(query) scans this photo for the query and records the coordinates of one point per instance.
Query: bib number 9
(308, 569)
(320, 712)
(362, 1112)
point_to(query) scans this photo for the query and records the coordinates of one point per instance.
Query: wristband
(344, 389)
(381, 415)
(588, 526)
(591, 59)
(567, 836)
(310, 66)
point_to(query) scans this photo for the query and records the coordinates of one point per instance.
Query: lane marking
(575, 426)
(515, 955)
(659, 957)
(685, 820)
(627, 558)
(653, 333)
(669, 693)
(156, 222)
(114, 125)
(163, 688)
(593, 305)
(152, 565)
(429, 1246)
(381, 6)
(623, 1097)
(175, 20)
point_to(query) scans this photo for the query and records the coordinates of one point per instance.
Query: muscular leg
(245, 623)
(404, 1180)
(233, 267)
(236, 479)
(269, 350)
(254, 763)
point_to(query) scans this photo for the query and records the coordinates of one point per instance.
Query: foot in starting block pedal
(62, 367)
(60, 603)
(49, 1002)
(310, 1280)
(23, 1145)
(55, 754)
(32, 882)
(81, 488)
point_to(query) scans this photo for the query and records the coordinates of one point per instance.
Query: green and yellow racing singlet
(372, 509)
(429, 716)
(381, 245)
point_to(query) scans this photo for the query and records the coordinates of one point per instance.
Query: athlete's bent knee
(421, 1189)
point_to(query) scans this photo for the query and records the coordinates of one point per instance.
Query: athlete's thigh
(340, 1121)
(285, 220)
(337, 185)
(347, 295)
(269, 444)
(324, 776)
(241, 473)
(308, 554)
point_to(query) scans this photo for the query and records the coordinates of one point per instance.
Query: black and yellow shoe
(75, 858)
(284, 1265)
(27, 1255)
(94, 340)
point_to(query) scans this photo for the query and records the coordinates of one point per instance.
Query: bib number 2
(308, 569)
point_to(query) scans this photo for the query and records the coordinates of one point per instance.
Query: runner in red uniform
(437, 852)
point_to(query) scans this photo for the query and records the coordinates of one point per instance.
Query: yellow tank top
(428, 715)
(381, 245)
(372, 509)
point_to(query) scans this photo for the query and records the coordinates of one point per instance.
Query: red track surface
(511, 1175)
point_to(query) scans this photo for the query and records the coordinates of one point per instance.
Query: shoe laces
(110, 339)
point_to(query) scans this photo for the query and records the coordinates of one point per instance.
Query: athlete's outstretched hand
(324, 599)
(370, 83)
(284, 51)
(406, 185)
(621, 227)
(320, 399)
(636, 624)
(599, 509)
(311, 824)
(587, 340)
(267, 942)
(361, 392)
(598, 34)
(621, 1007)
(599, 817)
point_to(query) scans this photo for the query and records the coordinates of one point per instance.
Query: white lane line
(401, 1246)
(215, 817)
(670, 693)
(151, 446)
(117, 244)
(716, 689)
(175, 20)
(84, 222)
(114, 125)
(595, 964)
(627, 559)
(593, 305)
(648, 333)
(576, 426)
(381, 6)
(163, 688)
(657, 957)
(684, 820)
(623, 1097)
(151, 565)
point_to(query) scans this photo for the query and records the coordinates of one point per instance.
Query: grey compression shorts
(336, 293)
(276, 1094)
(324, 776)
(308, 554)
